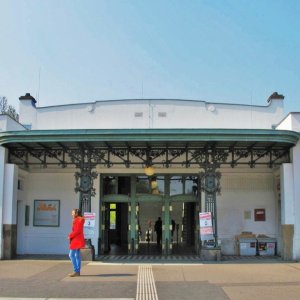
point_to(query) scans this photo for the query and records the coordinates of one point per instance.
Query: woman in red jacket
(76, 238)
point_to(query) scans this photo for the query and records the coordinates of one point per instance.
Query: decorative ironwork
(97, 156)
(210, 181)
(122, 154)
(85, 160)
(210, 157)
(210, 184)
(237, 155)
(146, 156)
(174, 153)
(84, 181)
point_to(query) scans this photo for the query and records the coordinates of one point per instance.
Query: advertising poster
(46, 213)
(206, 228)
(89, 225)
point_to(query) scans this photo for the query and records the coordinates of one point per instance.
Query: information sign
(206, 228)
(89, 225)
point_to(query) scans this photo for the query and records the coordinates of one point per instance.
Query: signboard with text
(206, 228)
(89, 225)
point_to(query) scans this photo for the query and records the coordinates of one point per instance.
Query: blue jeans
(75, 258)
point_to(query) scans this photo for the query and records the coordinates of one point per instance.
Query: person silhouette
(173, 227)
(158, 230)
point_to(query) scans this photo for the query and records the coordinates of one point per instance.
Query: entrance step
(250, 258)
(148, 258)
(182, 259)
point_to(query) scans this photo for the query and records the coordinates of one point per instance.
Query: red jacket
(76, 236)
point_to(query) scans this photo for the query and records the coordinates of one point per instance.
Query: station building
(130, 162)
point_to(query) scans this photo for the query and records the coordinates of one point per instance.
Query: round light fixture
(149, 171)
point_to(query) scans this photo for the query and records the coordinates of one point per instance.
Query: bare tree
(6, 109)
(3, 105)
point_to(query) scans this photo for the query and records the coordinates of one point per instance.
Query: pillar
(85, 186)
(133, 243)
(2, 172)
(10, 211)
(166, 237)
(287, 210)
(210, 184)
(167, 208)
(133, 220)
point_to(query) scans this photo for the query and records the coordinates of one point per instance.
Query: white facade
(143, 113)
(243, 189)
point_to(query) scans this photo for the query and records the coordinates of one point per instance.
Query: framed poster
(259, 214)
(46, 213)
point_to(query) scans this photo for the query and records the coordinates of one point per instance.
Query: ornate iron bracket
(85, 181)
(210, 181)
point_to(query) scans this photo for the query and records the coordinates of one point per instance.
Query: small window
(176, 185)
(191, 185)
(162, 114)
(138, 114)
(27, 215)
(20, 185)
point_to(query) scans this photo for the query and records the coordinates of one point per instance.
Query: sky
(224, 51)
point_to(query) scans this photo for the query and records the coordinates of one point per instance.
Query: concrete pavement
(47, 279)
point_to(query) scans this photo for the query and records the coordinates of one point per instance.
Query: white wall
(9, 124)
(290, 122)
(143, 113)
(244, 192)
(51, 186)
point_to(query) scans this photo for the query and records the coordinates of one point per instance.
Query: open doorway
(116, 228)
(183, 228)
(150, 243)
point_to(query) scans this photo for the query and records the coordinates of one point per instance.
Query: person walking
(158, 230)
(77, 242)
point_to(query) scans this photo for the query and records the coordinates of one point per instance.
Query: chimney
(27, 111)
(275, 96)
(28, 97)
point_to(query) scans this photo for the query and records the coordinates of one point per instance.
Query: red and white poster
(89, 225)
(206, 228)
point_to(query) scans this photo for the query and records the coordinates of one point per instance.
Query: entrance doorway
(116, 228)
(183, 228)
(128, 219)
(149, 212)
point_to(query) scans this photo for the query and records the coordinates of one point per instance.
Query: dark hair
(77, 212)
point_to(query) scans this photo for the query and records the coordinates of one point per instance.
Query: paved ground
(242, 279)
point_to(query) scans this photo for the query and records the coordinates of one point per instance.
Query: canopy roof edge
(148, 135)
